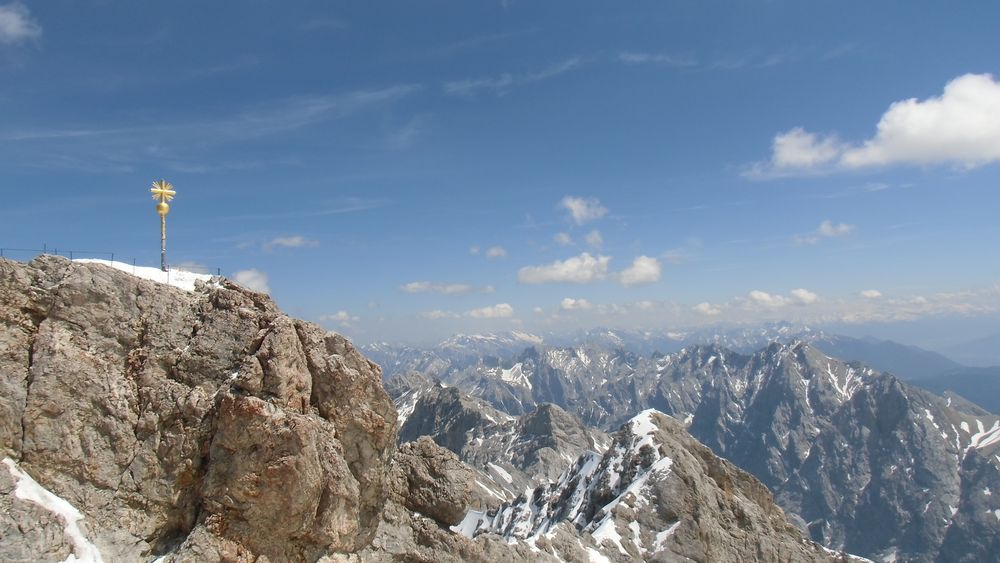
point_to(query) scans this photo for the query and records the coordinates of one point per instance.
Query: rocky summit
(140, 422)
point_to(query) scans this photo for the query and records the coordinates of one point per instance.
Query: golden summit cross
(163, 191)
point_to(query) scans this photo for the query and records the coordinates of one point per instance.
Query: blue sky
(408, 170)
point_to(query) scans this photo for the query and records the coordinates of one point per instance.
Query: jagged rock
(430, 490)
(657, 494)
(192, 423)
(433, 481)
(509, 454)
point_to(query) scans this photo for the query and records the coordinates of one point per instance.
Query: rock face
(202, 425)
(656, 494)
(509, 453)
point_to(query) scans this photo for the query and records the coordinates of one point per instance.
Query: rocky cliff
(203, 424)
(140, 422)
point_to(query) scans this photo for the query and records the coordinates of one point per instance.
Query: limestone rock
(432, 481)
(202, 424)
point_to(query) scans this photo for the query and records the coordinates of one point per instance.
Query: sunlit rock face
(200, 424)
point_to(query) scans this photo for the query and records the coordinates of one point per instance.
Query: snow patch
(176, 278)
(468, 526)
(28, 489)
(662, 537)
(515, 376)
(607, 531)
(596, 557)
(501, 472)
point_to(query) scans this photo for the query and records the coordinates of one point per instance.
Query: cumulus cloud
(578, 269)
(16, 25)
(826, 229)
(429, 287)
(439, 314)
(642, 271)
(803, 297)
(583, 210)
(570, 304)
(498, 311)
(473, 250)
(871, 294)
(707, 309)
(252, 279)
(595, 239)
(563, 239)
(496, 252)
(342, 317)
(960, 127)
(295, 241)
(766, 299)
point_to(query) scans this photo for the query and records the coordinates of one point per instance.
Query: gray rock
(193, 423)
(432, 481)
(657, 494)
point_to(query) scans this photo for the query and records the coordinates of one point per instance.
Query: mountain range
(862, 460)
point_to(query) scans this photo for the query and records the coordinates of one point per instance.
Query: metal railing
(29, 253)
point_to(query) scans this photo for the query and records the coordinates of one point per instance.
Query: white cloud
(961, 127)
(766, 299)
(578, 269)
(16, 25)
(496, 252)
(642, 271)
(499, 311)
(595, 239)
(707, 309)
(428, 287)
(503, 82)
(871, 294)
(295, 241)
(799, 296)
(342, 317)
(563, 239)
(438, 314)
(473, 250)
(583, 210)
(804, 297)
(570, 304)
(826, 229)
(538, 310)
(656, 58)
(252, 279)
(800, 149)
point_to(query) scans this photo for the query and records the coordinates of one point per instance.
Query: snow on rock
(985, 437)
(515, 376)
(176, 278)
(28, 489)
(500, 471)
(662, 537)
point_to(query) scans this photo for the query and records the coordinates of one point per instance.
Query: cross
(163, 191)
